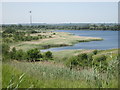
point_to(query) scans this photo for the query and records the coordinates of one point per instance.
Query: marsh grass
(39, 75)
(41, 81)
(51, 74)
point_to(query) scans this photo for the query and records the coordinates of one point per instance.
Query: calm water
(110, 40)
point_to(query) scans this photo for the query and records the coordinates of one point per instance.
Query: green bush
(81, 60)
(33, 31)
(34, 54)
(54, 33)
(20, 55)
(50, 36)
(7, 40)
(82, 56)
(48, 55)
(95, 52)
(72, 62)
(9, 30)
(100, 62)
(13, 53)
(100, 58)
(90, 59)
(5, 49)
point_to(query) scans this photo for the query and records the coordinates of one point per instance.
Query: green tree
(34, 54)
(5, 52)
(9, 30)
(90, 59)
(7, 40)
(83, 59)
(72, 61)
(100, 62)
(95, 52)
(19, 55)
(5, 48)
(100, 58)
(82, 56)
(48, 54)
(13, 53)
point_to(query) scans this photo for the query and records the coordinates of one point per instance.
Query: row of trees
(65, 26)
(30, 55)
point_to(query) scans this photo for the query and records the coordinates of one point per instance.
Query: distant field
(56, 39)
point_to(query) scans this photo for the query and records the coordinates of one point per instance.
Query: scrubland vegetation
(25, 66)
(58, 75)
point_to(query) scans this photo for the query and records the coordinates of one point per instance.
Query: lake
(110, 40)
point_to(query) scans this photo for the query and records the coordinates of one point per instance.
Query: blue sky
(60, 12)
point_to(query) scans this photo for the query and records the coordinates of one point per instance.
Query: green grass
(0, 74)
(51, 74)
(65, 54)
(110, 54)
(39, 78)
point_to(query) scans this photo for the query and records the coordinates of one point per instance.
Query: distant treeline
(114, 27)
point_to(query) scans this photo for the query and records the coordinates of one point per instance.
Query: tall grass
(41, 81)
(40, 75)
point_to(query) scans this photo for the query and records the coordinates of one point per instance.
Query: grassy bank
(50, 74)
(65, 54)
(55, 39)
(38, 75)
(41, 76)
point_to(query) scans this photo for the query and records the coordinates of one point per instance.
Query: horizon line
(66, 23)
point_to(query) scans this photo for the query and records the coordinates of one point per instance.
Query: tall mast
(30, 18)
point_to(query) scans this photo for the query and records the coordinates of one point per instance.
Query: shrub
(20, 55)
(90, 59)
(13, 53)
(72, 61)
(100, 62)
(33, 31)
(34, 54)
(5, 52)
(82, 56)
(100, 58)
(48, 54)
(8, 40)
(9, 30)
(5, 48)
(95, 52)
(50, 36)
(54, 33)
(81, 60)
(39, 35)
